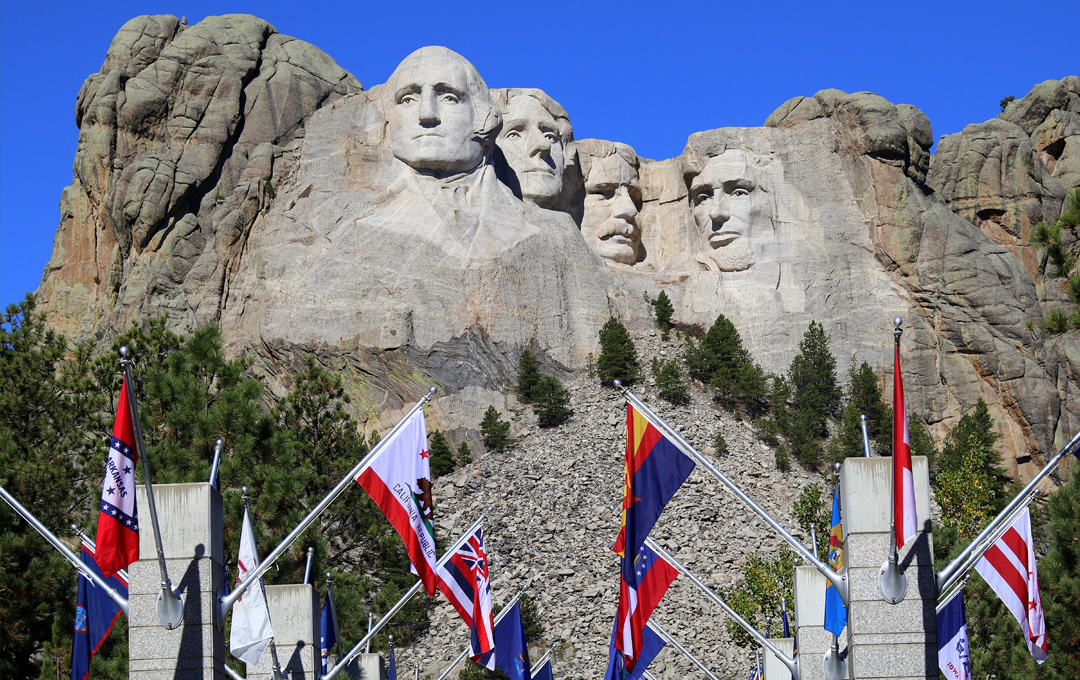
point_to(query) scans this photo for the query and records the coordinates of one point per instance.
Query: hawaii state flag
(118, 521)
(399, 481)
(835, 611)
(95, 614)
(954, 650)
(904, 521)
(650, 577)
(654, 470)
(1009, 567)
(465, 581)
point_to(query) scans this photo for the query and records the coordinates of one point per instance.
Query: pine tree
(618, 357)
(863, 398)
(495, 430)
(441, 456)
(464, 454)
(720, 360)
(664, 311)
(669, 381)
(1059, 578)
(528, 376)
(975, 435)
(814, 367)
(552, 404)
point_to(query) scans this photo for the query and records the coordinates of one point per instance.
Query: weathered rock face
(179, 137)
(417, 232)
(1050, 115)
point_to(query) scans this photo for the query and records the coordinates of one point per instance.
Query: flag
(399, 481)
(1009, 567)
(329, 625)
(251, 631)
(95, 614)
(904, 521)
(753, 673)
(835, 611)
(118, 520)
(544, 672)
(954, 652)
(650, 577)
(787, 632)
(391, 674)
(651, 644)
(654, 470)
(465, 581)
(511, 651)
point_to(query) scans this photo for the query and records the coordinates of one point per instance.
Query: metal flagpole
(892, 583)
(333, 612)
(839, 581)
(953, 571)
(791, 664)
(543, 659)
(215, 466)
(498, 617)
(170, 604)
(33, 521)
(401, 603)
(370, 620)
(307, 567)
(122, 573)
(226, 602)
(865, 437)
(230, 672)
(659, 630)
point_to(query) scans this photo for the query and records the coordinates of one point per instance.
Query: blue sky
(648, 74)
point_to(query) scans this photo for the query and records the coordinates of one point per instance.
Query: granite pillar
(814, 640)
(295, 615)
(191, 537)
(774, 668)
(896, 641)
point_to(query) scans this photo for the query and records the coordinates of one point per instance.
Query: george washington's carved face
(727, 206)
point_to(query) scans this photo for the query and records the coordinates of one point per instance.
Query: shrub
(783, 460)
(720, 444)
(669, 380)
(664, 311)
(528, 375)
(464, 454)
(495, 430)
(551, 402)
(618, 357)
(1056, 321)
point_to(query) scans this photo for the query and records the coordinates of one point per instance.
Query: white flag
(1009, 567)
(251, 631)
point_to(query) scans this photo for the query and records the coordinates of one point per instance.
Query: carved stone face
(727, 207)
(432, 117)
(610, 223)
(533, 149)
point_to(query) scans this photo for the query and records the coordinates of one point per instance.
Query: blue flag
(329, 627)
(511, 651)
(787, 632)
(544, 672)
(95, 614)
(392, 673)
(954, 653)
(651, 644)
(835, 611)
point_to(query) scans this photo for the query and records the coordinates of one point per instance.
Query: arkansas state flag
(1009, 567)
(95, 614)
(465, 581)
(650, 577)
(904, 521)
(655, 469)
(118, 522)
(399, 481)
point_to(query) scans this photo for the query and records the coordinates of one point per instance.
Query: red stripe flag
(650, 577)
(1009, 567)
(904, 521)
(118, 520)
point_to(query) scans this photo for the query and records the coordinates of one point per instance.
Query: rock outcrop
(1050, 115)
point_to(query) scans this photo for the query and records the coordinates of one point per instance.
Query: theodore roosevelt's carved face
(727, 206)
(533, 147)
(440, 115)
(610, 223)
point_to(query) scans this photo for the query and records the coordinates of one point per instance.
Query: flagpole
(404, 599)
(543, 659)
(122, 573)
(307, 567)
(33, 521)
(838, 581)
(215, 466)
(226, 602)
(498, 617)
(791, 664)
(333, 612)
(892, 582)
(865, 437)
(668, 638)
(370, 620)
(170, 604)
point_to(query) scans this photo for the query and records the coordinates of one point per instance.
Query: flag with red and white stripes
(904, 520)
(466, 582)
(118, 518)
(1009, 567)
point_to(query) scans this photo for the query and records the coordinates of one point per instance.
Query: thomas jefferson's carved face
(611, 210)
(432, 118)
(533, 149)
(726, 203)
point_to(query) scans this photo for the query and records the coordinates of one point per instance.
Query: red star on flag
(423, 453)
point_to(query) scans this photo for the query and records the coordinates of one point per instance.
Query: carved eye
(551, 137)
(701, 197)
(740, 192)
(410, 98)
(450, 97)
(512, 134)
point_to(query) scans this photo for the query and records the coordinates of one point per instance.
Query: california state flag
(399, 481)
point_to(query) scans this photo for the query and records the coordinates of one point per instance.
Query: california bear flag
(399, 481)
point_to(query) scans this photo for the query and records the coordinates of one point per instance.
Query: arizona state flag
(399, 481)
(654, 470)
(118, 521)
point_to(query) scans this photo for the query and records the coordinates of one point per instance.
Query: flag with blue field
(835, 611)
(95, 614)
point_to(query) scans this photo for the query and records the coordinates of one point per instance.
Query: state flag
(465, 581)
(835, 611)
(954, 650)
(651, 644)
(391, 673)
(251, 630)
(1009, 567)
(654, 469)
(905, 524)
(511, 651)
(117, 537)
(329, 624)
(95, 614)
(544, 672)
(650, 577)
(399, 481)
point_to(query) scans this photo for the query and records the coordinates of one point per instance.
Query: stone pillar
(774, 668)
(886, 640)
(814, 640)
(191, 537)
(295, 615)
(367, 667)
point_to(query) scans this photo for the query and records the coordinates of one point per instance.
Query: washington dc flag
(118, 521)
(399, 481)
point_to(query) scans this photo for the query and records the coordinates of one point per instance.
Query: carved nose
(624, 206)
(429, 108)
(719, 212)
(539, 144)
